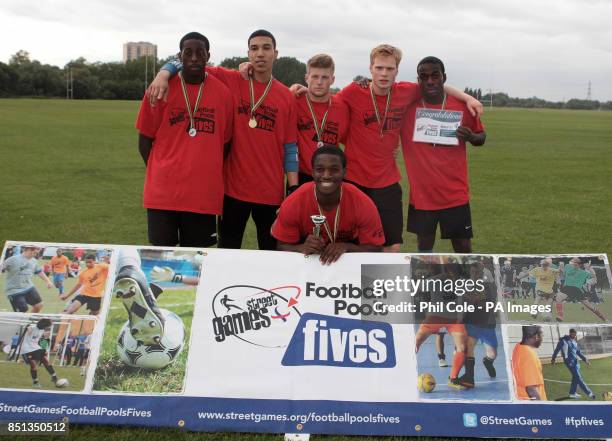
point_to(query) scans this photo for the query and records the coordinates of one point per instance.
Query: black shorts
(455, 222)
(20, 301)
(36, 355)
(182, 228)
(577, 295)
(93, 303)
(388, 201)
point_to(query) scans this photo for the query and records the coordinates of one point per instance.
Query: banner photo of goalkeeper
(146, 335)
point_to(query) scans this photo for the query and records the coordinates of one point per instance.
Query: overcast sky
(545, 48)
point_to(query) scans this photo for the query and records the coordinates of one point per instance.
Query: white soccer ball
(62, 382)
(157, 356)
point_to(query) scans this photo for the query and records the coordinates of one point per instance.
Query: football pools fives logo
(323, 340)
(263, 317)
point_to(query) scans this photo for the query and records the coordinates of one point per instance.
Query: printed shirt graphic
(19, 272)
(527, 371)
(370, 159)
(359, 220)
(59, 264)
(185, 173)
(335, 131)
(545, 279)
(31, 339)
(93, 280)
(254, 170)
(438, 175)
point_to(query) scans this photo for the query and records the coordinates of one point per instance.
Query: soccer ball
(156, 356)
(62, 382)
(426, 383)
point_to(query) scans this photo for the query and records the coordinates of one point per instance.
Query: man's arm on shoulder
(474, 106)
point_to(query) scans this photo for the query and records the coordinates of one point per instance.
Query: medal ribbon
(318, 130)
(332, 237)
(377, 112)
(184, 88)
(255, 105)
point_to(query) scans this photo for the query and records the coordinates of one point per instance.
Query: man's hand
(162, 274)
(364, 83)
(475, 107)
(332, 252)
(49, 285)
(158, 89)
(246, 69)
(313, 245)
(464, 134)
(63, 296)
(298, 90)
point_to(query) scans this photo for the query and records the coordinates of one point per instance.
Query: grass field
(574, 312)
(17, 376)
(71, 173)
(597, 373)
(112, 375)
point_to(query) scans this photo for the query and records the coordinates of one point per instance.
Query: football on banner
(156, 356)
(426, 383)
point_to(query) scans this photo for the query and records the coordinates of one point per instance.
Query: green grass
(71, 173)
(17, 376)
(598, 373)
(573, 312)
(112, 375)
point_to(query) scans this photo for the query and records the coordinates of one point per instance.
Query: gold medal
(320, 144)
(255, 105)
(193, 132)
(318, 129)
(381, 122)
(252, 123)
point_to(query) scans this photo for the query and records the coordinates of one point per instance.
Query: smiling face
(328, 173)
(262, 54)
(194, 57)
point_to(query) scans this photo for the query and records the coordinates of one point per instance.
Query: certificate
(436, 126)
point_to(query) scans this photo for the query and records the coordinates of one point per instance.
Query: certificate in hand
(436, 126)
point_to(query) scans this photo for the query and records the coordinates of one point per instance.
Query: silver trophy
(317, 220)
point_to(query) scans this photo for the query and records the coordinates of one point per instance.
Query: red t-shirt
(370, 159)
(185, 173)
(334, 133)
(438, 175)
(359, 221)
(254, 169)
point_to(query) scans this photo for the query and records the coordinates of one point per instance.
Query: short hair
(531, 330)
(262, 33)
(329, 149)
(572, 331)
(322, 61)
(29, 247)
(90, 257)
(386, 50)
(195, 36)
(432, 60)
(43, 323)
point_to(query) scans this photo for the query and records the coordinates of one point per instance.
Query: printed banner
(256, 341)
(438, 127)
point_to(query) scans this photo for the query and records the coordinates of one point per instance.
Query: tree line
(24, 77)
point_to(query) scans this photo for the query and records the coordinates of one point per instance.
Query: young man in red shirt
(438, 176)
(181, 142)
(264, 143)
(351, 222)
(376, 116)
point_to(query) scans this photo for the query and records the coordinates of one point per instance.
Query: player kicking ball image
(34, 355)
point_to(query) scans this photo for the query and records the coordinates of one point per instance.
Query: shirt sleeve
(173, 66)
(150, 118)
(344, 117)
(229, 119)
(226, 76)
(286, 226)
(370, 225)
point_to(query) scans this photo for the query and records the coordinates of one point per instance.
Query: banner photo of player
(146, 335)
(560, 288)
(561, 362)
(459, 350)
(54, 279)
(44, 352)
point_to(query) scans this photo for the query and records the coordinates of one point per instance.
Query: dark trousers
(235, 217)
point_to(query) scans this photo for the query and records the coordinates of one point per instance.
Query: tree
(233, 62)
(19, 58)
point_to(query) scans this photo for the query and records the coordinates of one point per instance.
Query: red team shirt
(185, 173)
(371, 161)
(438, 175)
(334, 133)
(254, 169)
(359, 220)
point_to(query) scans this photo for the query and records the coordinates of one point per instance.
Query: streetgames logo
(259, 316)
